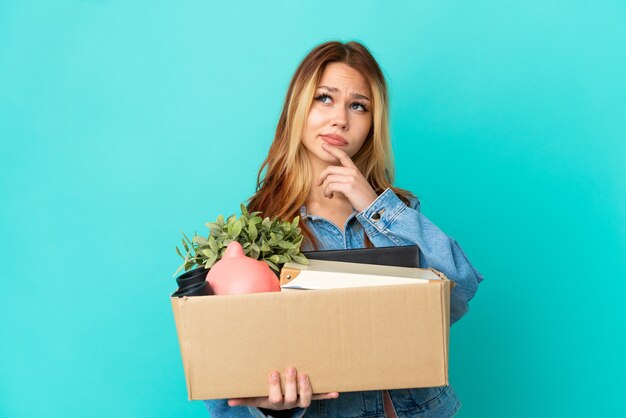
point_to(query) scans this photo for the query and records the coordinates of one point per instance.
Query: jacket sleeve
(388, 221)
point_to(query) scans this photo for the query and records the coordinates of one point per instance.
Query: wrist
(366, 203)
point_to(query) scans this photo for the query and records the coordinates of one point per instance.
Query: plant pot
(193, 283)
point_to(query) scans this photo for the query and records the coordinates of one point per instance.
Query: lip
(336, 140)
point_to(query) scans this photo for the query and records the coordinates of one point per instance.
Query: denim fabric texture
(387, 222)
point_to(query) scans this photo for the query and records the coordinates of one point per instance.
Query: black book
(403, 256)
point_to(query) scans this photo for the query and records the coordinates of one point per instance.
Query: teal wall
(123, 123)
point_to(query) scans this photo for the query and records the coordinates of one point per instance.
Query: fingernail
(275, 376)
(291, 371)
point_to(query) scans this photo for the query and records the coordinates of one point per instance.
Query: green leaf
(238, 226)
(252, 231)
(187, 239)
(295, 222)
(275, 258)
(200, 240)
(211, 260)
(286, 245)
(220, 220)
(254, 253)
(213, 244)
(300, 259)
(214, 228)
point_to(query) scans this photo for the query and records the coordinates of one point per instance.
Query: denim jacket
(387, 222)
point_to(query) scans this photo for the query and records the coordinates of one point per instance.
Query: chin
(324, 156)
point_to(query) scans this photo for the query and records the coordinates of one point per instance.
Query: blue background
(124, 123)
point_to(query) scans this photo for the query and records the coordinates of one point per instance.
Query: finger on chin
(339, 154)
(331, 150)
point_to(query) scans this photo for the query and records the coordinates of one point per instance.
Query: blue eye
(363, 108)
(354, 106)
(323, 96)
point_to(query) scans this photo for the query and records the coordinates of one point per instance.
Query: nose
(340, 118)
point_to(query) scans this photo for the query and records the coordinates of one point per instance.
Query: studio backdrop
(125, 123)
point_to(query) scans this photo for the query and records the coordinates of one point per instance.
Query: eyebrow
(355, 95)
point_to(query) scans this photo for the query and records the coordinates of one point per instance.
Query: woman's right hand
(291, 399)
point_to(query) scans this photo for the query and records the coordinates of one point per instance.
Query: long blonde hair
(286, 184)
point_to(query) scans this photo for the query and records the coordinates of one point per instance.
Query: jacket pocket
(431, 398)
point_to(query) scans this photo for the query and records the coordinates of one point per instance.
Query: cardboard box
(349, 339)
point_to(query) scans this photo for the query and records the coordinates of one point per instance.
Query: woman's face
(340, 114)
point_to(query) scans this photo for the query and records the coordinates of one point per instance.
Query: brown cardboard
(352, 339)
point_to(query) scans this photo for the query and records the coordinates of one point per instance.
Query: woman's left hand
(346, 179)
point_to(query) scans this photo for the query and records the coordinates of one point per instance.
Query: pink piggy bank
(237, 274)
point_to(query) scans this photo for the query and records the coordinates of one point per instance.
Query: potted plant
(274, 241)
